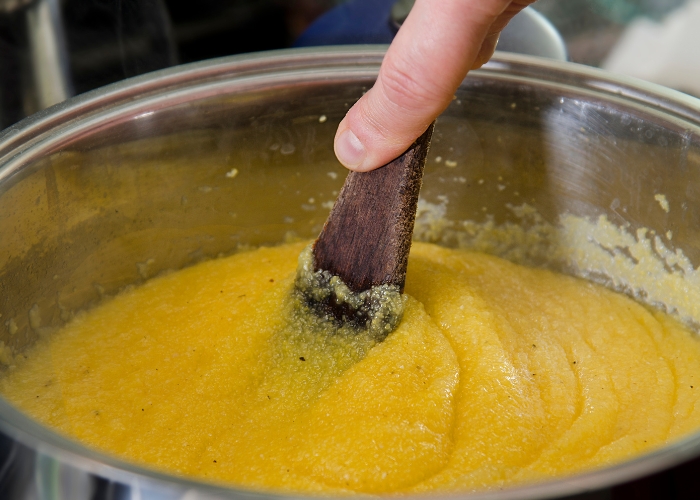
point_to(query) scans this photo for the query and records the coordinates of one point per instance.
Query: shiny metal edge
(625, 87)
(141, 86)
(340, 57)
(124, 110)
(86, 109)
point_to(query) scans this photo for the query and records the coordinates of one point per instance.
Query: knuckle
(408, 91)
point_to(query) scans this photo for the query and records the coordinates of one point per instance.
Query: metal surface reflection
(115, 186)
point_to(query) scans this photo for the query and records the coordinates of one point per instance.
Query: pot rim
(29, 139)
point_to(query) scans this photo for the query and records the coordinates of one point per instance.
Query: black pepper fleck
(302, 358)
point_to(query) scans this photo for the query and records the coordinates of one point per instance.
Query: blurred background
(54, 49)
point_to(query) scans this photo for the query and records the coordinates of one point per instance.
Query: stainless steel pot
(161, 171)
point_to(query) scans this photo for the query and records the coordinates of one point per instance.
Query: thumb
(430, 56)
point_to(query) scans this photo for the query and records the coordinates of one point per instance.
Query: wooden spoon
(367, 237)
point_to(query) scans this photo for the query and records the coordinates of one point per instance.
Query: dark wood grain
(367, 236)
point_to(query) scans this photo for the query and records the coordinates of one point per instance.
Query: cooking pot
(161, 171)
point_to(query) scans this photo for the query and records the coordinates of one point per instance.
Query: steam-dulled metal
(112, 187)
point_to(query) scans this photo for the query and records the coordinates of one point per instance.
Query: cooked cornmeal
(497, 374)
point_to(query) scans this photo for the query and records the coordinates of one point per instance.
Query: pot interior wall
(164, 189)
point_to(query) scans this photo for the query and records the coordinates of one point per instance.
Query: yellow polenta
(497, 374)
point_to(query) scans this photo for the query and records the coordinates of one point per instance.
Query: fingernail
(349, 149)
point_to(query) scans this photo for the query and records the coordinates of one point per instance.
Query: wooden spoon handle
(367, 236)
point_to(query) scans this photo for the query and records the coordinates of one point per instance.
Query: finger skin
(432, 52)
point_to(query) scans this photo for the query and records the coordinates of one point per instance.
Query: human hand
(440, 41)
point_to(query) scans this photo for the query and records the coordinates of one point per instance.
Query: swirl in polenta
(496, 375)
